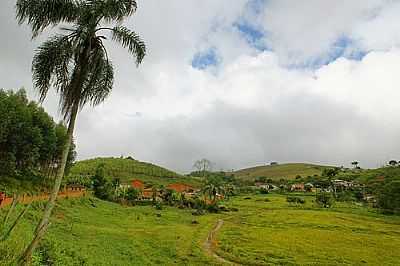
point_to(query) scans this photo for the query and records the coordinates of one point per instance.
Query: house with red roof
(138, 184)
(181, 188)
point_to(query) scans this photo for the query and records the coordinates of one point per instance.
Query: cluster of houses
(147, 192)
(337, 184)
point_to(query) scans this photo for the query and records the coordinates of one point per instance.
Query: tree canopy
(30, 142)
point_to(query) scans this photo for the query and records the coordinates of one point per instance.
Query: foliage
(31, 143)
(389, 197)
(325, 199)
(293, 199)
(213, 187)
(101, 187)
(132, 194)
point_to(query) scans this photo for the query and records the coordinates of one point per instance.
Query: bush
(158, 206)
(132, 194)
(213, 208)
(198, 212)
(296, 200)
(325, 199)
(389, 197)
(264, 190)
(345, 196)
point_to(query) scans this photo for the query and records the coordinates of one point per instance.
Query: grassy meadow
(265, 230)
(276, 172)
(268, 230)
(93, 232)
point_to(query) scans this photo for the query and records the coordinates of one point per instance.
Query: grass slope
(286, 171)
(103, 233)
(265, 233)
(128, 169)
(92, 232)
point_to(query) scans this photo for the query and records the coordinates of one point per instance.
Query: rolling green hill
(287, 171)
(127, 169)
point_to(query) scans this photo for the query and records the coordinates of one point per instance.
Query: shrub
(198, 212)
(295, 200)
(325, 199)
(132, 194)
(213, 208)
(389, 197)
(158, 206)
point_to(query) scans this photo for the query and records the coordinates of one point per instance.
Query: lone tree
(355, 164)
(203, 166)
(75, 63)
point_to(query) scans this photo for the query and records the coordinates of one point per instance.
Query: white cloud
(253, 108)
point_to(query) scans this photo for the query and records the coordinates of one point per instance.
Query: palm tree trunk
(44, 223)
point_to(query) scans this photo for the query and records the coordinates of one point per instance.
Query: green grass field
(110, 234)
(286, 171)
(274, 232)
(260, 233)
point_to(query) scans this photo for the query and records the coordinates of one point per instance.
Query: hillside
(287, 171)
(127, 169)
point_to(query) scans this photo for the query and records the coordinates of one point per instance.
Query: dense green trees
(31, 143)
(389, 197)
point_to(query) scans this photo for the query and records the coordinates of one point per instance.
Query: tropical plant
(212, 188)
(75, 63)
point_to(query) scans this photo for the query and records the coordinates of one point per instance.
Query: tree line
(31, 144)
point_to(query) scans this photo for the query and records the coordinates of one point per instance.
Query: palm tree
(75, 63)
(212, 188)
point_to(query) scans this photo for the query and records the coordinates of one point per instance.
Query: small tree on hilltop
(355, 164)
(203, 166)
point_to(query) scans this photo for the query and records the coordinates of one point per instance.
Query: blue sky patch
(251, 34)
(343, 47)
(203, 60)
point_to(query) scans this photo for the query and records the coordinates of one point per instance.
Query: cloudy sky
(241, 83)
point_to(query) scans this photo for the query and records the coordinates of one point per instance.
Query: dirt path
(210, 244)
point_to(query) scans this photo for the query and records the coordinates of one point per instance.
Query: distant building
(181, 188)
(338, 183)
(297, 187)
(138, 184)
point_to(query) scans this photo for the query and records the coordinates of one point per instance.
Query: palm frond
(114, 10)
(40, 14)
(51, 62)
(131, 41)
(100, 77)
